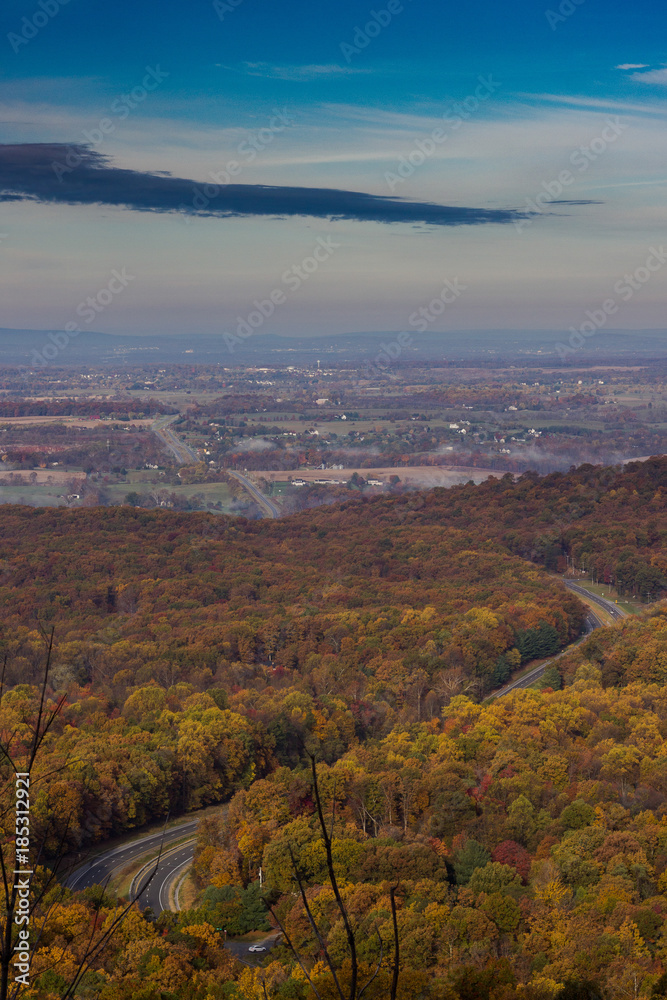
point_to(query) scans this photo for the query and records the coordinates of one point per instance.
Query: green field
(34, 496)
(137, 480)
(213, 493)
(277, 489)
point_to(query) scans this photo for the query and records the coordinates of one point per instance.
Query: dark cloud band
(76, 175)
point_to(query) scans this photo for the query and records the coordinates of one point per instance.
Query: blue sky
(278, 79)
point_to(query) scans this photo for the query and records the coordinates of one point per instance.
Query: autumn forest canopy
(206, 659)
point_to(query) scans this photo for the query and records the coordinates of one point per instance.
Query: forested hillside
(526, 841)
(447, 577)
(139, 596)
(204, 659)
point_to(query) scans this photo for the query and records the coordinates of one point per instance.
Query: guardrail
(179, 886)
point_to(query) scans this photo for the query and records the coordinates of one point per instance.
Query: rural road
(240, 948)
(103, 867)
(264, 502)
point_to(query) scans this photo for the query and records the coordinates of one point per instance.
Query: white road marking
(171, 875)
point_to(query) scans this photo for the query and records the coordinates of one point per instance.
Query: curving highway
(526, 680)
(592, 622)
(613, 609)
(153, 883)
(267, 505)
(176, 857)
(100, 869)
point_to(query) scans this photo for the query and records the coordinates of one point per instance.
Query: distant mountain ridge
(26, 347)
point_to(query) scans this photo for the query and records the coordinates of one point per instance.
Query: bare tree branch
(313, 924)
(394, 981)
(352, 945)
(377, 969)
(293, 950)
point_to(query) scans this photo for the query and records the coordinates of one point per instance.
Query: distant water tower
(318, 366)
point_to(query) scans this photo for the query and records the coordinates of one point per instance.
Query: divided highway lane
(592, 622)
(613, 609)
(181, 451)
(104, 866)
(241, 949)
(185, 455)
(171, 865)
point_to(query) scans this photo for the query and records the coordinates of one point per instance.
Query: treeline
(117, 409)
(405, 599)
(95, 450)
(404, 616)
(609, 521)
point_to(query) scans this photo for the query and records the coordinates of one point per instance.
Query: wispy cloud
(76, 175)
(632, 66)
(298, 74)
(596, 103)
(653, 76)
